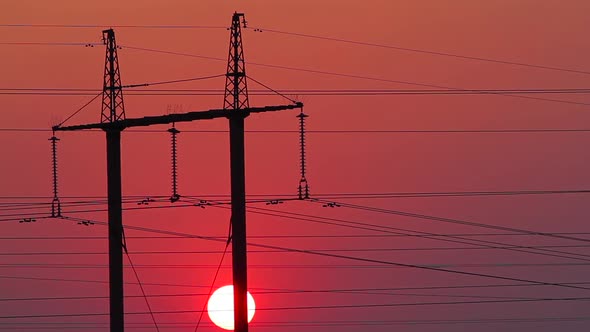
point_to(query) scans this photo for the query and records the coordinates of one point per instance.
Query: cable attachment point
(331, 205)
(303, 189)
(85, 222)
(175, 196)
(202, 203)
(145, 201)
(55, 203)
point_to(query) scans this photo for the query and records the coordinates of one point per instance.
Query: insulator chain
(175, 196)
(55, 204)
(303, 189)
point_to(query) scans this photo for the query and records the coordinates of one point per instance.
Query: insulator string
(55, 203)
(303, 189)
(175, 196)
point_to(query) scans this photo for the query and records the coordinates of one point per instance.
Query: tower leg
(238, 220)
(115, 230)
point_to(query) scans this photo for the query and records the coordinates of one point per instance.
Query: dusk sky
(447, 160)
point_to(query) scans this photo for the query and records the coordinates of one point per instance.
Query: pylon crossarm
(180, 117)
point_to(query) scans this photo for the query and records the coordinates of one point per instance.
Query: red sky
(47, 259)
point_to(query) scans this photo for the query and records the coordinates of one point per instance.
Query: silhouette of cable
(137, 26)
(379, 292)
(415, 50)
(451, 194)
(80, 109)
(212, 284)
(307, 324)
(497, 245)
(319, 307)
(257, 251)
(290, 236)
(305, 35)
(147, 302)
(290, 266)
(50, 44)
(421, 234)
(322, 72)
(173, 81)
(345, 257)
(386, 229)
(288, 291)
(463, 222)
(305, 92)
(457, 239)
(271, 89)
(97, 281)
(339, 131)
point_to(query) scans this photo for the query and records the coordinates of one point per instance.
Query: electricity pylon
(236, 109)
(236, 100)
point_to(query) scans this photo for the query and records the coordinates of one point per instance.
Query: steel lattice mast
(236, 99)
(113, 108)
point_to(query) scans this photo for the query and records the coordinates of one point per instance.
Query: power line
(270, 91)
(300, 92)
(387, 229)
(295, 236)
(183, 80)
(80, 109)
(317, 307)
(104, 26)
(307, 324)
(145, 297)
(50, 44)
(219, 266)
(289, 266)
(359, 259)
(282, 293)
(320, 72)
(345, 131)
(192, 252)
(129, 200)
(287, 291)
(329, 73)
(430, 52)
(426, 235)
(335, 39)
(463, 222)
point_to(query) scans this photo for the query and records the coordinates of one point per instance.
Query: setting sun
(221, 307)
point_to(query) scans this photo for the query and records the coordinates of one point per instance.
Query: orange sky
(543, 33)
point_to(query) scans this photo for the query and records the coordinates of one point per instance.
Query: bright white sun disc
(221, 307)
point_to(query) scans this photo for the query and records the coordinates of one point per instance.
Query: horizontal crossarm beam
(181, 117)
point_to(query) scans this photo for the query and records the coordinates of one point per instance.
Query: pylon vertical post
(236, 99)
(115, 214)
(113, 110)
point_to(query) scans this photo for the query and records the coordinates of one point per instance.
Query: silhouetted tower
(236, 100)
(113, 108)
(113, 121)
